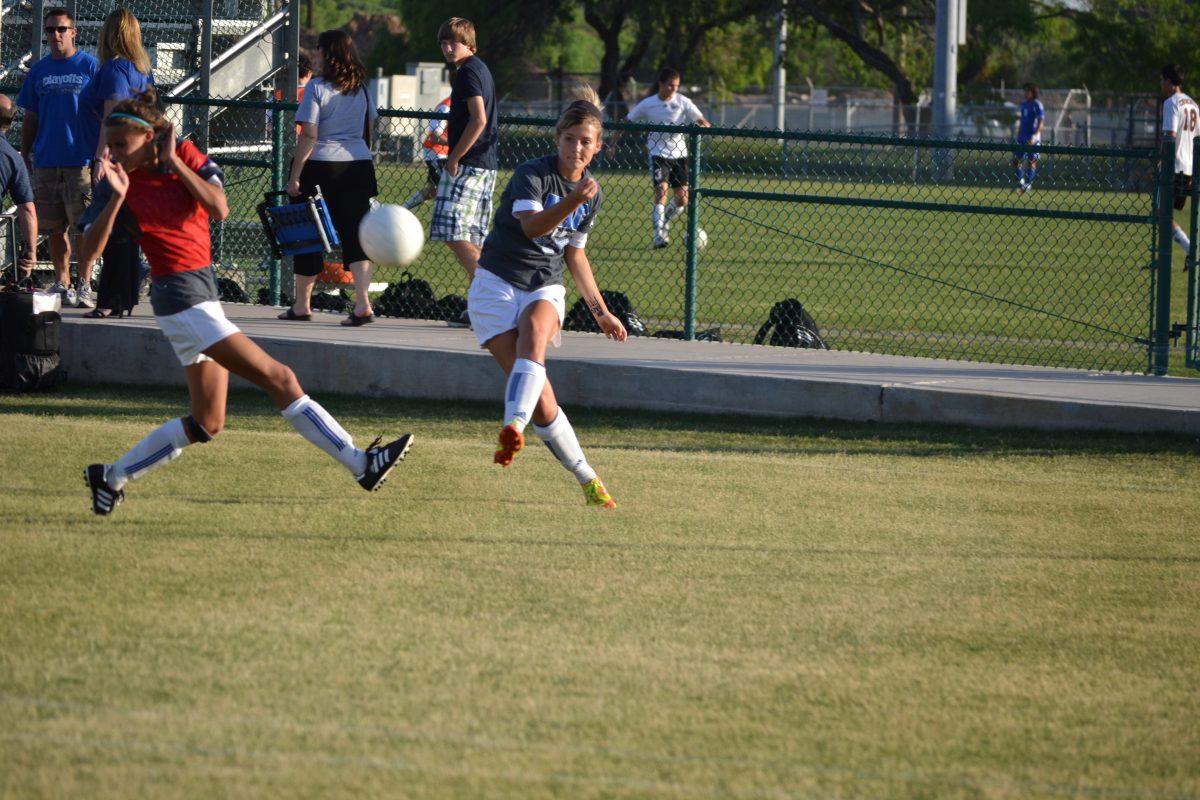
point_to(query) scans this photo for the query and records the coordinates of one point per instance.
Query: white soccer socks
(1181, 238)
(658, 219)
(525, 384)
(316, 424)
(163, 444)
(673, 211)
(560, 438)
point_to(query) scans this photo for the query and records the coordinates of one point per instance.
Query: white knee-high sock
(163, 444)
(560, 438)
(657, 218)
(673, 211)
(524, 387)
(1181, 239)
(317, 425)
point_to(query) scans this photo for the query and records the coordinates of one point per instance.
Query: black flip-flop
(354, 320)
(294, 317)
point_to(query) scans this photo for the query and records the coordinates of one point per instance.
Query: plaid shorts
(463, 209)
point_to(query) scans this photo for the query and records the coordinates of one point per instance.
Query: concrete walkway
(406, 358)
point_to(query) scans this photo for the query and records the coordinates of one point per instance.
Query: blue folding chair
(298, 228)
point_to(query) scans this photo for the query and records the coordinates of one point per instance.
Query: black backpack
(790, 325)
(230, 291)
(409, 297)
(579, 317)
(29, 358)
(451, 307)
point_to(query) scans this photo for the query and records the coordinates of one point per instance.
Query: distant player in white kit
(1029, 134)
(1180, 120)
(668, 151)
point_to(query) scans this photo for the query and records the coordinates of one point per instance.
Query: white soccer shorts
(196, 329)
(495, 305)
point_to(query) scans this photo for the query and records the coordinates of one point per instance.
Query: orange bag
(335, 273)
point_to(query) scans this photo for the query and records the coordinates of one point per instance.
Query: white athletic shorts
(495, 305)
(196, 329)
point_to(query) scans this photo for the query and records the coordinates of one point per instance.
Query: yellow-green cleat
(597, 495)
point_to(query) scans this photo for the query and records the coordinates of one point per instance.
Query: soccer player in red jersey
(166, 192)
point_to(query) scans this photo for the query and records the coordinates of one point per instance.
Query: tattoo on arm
(596, 308)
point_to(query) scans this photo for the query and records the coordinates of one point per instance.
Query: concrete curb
(739, 380)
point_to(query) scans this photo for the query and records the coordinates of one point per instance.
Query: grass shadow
(683, 432)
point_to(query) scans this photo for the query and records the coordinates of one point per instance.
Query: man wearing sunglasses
(62, 142)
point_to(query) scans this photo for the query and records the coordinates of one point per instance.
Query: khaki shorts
(60, 195)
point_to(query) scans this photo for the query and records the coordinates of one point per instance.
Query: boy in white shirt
(668, 151)
(1180, 121)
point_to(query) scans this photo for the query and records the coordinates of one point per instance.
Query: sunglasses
(58, 28)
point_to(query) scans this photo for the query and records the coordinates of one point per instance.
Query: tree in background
(506, 32)
(644, 35)
(887, 44)
(877, 33)
(1122, 44)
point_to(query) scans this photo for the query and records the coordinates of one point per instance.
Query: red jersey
(174, 225)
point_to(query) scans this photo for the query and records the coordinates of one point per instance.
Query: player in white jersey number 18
(1181, 119)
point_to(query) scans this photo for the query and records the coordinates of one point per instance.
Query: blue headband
(137, 119)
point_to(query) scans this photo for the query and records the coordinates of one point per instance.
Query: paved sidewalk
(424, 359)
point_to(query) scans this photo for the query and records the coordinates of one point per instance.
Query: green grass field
(943, 284)
(777, 609)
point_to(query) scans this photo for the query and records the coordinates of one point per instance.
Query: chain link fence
(898, 246)
(893, 246)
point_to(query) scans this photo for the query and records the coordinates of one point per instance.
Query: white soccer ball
(701, 239)
(391, 236)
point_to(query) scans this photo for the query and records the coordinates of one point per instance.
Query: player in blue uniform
(1029, 135)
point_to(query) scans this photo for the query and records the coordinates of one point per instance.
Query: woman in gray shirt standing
(333, 151)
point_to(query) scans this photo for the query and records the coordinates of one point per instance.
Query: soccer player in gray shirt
(517, 300)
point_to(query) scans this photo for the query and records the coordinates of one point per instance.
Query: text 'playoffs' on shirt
(65, 136)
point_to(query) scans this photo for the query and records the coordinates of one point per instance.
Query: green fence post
(689, 284)
(1161, 336)
(276, 186)
(1192, 345)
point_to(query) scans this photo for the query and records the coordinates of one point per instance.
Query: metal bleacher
(231, 49)
(206, 48)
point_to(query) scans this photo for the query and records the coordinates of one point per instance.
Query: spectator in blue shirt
(124, 73)
(14, 181)
(61, 141)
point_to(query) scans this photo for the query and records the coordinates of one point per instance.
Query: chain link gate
(917, 247)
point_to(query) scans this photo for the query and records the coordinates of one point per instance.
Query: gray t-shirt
(532, 263)
(339, 119)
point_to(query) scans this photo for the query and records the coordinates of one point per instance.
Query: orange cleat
(512, 441)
